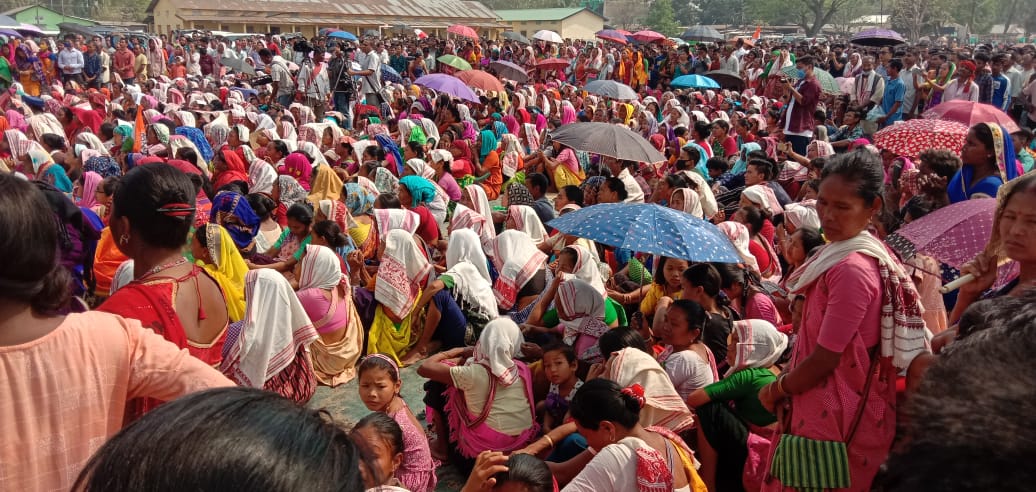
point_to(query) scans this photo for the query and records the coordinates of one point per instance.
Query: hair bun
(636, 392)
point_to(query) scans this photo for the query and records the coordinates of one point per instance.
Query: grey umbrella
(727, 79)
(514, 36)
(701, 33)
(612, 89)
(510, 71)
(607, 139)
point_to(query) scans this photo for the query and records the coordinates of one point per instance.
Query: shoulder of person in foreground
(157, 367)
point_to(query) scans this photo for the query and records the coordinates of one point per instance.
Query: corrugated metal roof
(453, 11)
(530, 15)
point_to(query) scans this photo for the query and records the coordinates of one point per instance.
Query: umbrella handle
(967, 279)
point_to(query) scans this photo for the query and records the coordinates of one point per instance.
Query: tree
(914, 18)
(814, 14)
(661, 18)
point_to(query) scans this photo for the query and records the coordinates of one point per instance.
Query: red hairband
(637, 392)
(176, 209)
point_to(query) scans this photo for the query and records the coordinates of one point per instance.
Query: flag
(758, 32)
(139, 130)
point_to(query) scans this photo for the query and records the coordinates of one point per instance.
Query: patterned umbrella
(508, 70)
(611, 35)
(607, 139)
(462, 30)
(910, 138)
(649, 228)
(612, 89)
(827, 82)
(953, 234)
(971, 113)
(447, 84)
(454, 61)
(648, 36)
(694, 82)
(877, 37)
(389, 74)
(481, 80)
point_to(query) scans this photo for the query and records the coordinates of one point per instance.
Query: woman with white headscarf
(326, 295)
(267, 349)
(488, 399)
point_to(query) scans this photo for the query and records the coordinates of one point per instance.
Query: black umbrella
(607, 139)
(877, 37)
(727, 79)
(701, 33)
(514, 36)
(509, 71)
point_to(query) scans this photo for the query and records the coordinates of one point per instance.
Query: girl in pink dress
(379, 386)
(861, 321)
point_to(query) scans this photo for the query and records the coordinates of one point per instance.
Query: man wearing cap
(70, 62)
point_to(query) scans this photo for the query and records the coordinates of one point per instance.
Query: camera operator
(343, 89)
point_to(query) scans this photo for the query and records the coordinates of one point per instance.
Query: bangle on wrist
(780, 386)
(549, 440)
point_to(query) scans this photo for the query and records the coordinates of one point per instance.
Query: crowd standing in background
(184, 214)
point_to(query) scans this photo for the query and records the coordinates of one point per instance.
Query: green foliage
(661, 18)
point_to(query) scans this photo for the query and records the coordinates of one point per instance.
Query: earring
(124, 239)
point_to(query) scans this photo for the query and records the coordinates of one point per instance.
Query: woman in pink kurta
(847, 285)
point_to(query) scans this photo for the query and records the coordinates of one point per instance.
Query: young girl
(379, 386)
(380, 441)
(559, 364)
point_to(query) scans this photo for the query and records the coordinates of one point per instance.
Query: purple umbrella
(11, 32)
(877, 37)
(448, 84)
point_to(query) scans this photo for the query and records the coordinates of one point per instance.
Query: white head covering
(585, 307)
(759, 345)
(586, 268)
(739, 237)
(262, 177)
(475, 291)
(497, 347)
(517, 259)
(123, 275)
(465, 245)
(709, 207)
(764, 197)
(421, 168)
(274, 329)
(526, 220)
(404, 271)
(691, 201)
(802, 214)
(320, 269)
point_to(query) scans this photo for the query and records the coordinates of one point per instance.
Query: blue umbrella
(694, 82)
(389, 74)
(649, 228)
(348, 36)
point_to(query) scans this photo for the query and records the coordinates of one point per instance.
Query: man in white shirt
(730, 62)
(621, 170)
(869, 86)
(371, 73)
(1019, 78)
(313, 81)
(912, 79)
(70, 63)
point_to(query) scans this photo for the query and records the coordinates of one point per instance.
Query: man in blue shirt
(1001, 84)
(892, 101)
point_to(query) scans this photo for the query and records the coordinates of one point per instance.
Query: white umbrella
(612, 89)
(548, 36)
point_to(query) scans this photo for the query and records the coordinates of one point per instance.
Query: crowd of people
(194, 248)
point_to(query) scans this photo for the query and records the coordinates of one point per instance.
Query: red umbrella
(971, 113)
(481, 80)
(611, 35)
(461, 30)
(624, 32)
(648, 36)
(911, 137)
(553, 64)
